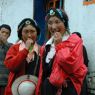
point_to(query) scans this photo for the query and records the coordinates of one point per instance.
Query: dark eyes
(56, 22)
(29, 31)
(4, 32)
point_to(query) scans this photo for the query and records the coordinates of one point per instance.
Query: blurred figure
(5, 32)
(22, 59)
(84, 90)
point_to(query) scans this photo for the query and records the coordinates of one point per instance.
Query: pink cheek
(34, 37)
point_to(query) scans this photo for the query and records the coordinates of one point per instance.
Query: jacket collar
(65, 37)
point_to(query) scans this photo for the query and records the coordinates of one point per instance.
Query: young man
(5, 31)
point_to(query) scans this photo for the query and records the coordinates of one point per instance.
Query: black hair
(6, 26)
(78, 34)
(62, 15)
(25, 22)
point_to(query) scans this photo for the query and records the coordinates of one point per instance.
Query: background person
(5, 32)
(84, 90)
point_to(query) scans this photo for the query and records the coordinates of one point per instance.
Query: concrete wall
(12, 12)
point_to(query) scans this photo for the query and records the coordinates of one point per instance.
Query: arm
(14, 58)
(69, 57)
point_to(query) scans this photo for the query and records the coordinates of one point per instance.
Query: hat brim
(20, 79)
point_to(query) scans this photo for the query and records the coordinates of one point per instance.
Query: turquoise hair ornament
(52, 12)
(60, 12)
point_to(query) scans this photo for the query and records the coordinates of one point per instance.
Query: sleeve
(38, 87)
(70, 59)
(14, 58)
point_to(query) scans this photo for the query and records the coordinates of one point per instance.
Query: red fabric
(69, 57)
(57, 76)
(13, 61)
(40, 72)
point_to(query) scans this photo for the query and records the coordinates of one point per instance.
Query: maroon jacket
(69, 57)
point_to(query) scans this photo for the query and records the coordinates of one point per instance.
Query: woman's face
(56, 25)
(29, 32)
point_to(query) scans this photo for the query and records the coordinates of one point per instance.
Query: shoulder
(74, 38)
(14, 47)
(42, 48)
(71, 42)
(9, 44)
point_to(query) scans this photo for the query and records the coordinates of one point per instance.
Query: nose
(5, 34)
(29, 33)
(53, 26)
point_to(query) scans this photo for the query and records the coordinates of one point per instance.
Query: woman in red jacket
(21, 58)
(61, 69)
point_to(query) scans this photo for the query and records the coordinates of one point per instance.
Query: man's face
(4, 34)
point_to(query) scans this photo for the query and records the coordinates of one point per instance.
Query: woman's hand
(57, 38)
(28, 43)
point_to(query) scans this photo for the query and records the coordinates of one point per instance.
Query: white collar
(65, 37)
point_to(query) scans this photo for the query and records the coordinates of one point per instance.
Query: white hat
(24, 85)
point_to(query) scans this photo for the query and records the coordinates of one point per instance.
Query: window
(88, 2)
(57, 5)
(54, 4)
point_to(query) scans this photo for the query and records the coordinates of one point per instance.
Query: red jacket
(14, 62)
(69, 56)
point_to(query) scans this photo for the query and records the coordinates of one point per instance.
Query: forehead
(29, 27)
(3, 29)
(52, 18)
